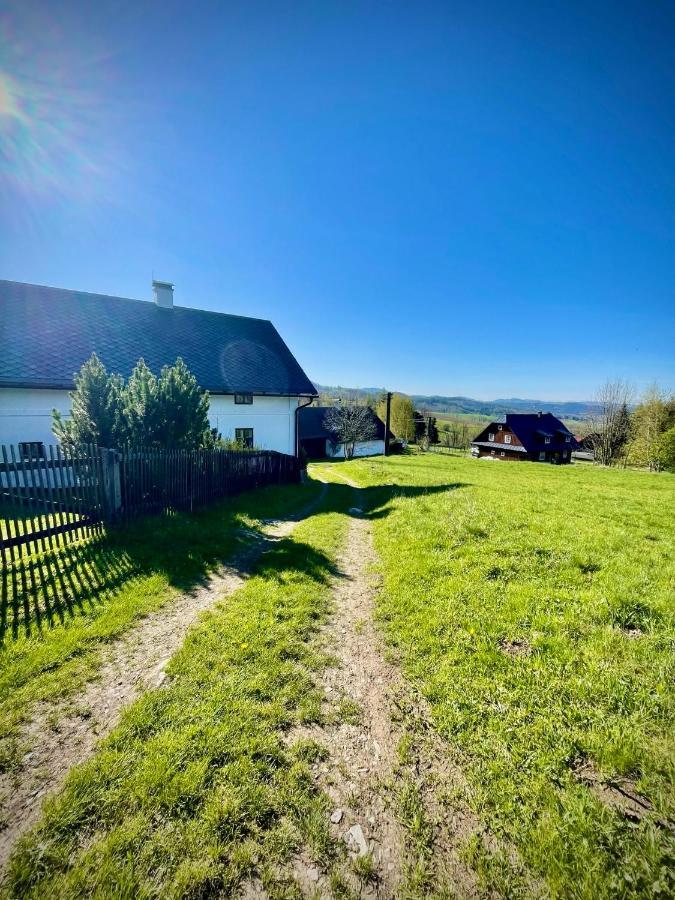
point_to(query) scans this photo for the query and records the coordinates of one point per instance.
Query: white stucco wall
(362, 448)
(26, 415)
(271, 418)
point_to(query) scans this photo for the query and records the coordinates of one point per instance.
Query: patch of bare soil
(619, 792)
(633, 633)
(369, 709)
(60, 738)
(517, 647)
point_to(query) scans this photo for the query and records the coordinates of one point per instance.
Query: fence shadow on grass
(52, 589)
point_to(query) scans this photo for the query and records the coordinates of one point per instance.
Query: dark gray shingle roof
(531, 429)
(47, 333)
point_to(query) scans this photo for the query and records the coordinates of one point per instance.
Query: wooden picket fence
(49, 497)
(155, 481)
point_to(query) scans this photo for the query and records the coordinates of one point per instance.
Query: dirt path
(370, 712)
(362, 742)
(60, 739)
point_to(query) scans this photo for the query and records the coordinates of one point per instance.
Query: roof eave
(47, 386)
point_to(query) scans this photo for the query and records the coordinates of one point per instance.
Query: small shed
(318, 442)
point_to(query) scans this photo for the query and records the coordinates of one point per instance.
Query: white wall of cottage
(26, 415)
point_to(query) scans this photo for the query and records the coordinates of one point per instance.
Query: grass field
(531, 605)
(56, 615)
(534, 607)
(196, 788)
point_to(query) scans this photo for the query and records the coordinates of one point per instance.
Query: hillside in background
(440, 405)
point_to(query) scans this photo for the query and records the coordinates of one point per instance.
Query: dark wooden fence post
(112, 488)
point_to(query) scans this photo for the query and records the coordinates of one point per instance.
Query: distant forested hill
(568, 409)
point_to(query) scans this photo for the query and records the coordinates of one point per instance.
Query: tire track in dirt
(59, 740)
(370, 710)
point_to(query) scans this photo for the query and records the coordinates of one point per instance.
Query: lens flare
(10, 105)
(57, 137)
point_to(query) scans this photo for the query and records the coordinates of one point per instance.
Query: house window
(507, 438)
(502, 453)
(244, 436)
(491, 436)
(564, 454)
(243, 399)
(492, 452)
(29, 450)
(542, 456)
(547, 440)
(568, 438)
(499, 427)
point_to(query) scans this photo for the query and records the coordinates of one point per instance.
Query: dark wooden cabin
(537, 437)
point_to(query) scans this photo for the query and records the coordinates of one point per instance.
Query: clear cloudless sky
(457, 197)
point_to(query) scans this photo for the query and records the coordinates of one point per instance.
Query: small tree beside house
(169, 412)
(95, 416)
(184, 408)
(350, 425)
(166, 412)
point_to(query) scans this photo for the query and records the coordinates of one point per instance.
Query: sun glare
(55, 129)
(10, 106)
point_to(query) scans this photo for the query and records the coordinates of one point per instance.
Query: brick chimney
(163, 291)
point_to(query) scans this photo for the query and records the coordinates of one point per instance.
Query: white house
(317, 440)
(255, 383)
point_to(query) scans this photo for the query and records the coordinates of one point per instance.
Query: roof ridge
(51, 331)
(51, 287)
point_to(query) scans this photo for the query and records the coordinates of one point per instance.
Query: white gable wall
(271, 418)
(26, 415)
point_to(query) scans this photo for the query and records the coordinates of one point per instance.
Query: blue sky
(458, 198)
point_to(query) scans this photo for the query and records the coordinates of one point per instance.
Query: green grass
(196, 789)
(13, 513)
(57, 613)
(574, 567)
(532, 605)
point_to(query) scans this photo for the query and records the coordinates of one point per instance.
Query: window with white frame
(502, 453)
(568, 438)
(507, 438)
(243, 399)
(492, 452)
(547, 440)
(542, 456)
(491, 436)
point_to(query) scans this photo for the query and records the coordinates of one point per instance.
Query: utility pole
(387, 424)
